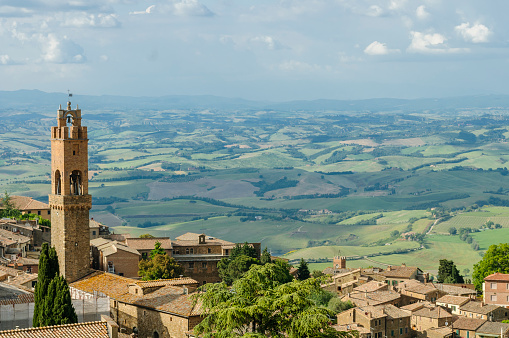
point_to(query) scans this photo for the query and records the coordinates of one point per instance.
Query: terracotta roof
(165, 282)
(435, 312)
(27, 203)
(416, 287)
(351, 327)
(455, 290)
(169, 298)
(371, 286)
(148, 243)
(92, 223)
(339, 275)
(453, 300)
(375, 311)
(439, 331)
(333, 271)
(82, 330)
(394, 312)
(493, 328)
(465, 323)
(417, 306)
(21, 279)
(191, 238)
(478, 307)
(497, 277)
(109, 247)
(20, 299)
(399, 271)
(17, 238)
(373, 298)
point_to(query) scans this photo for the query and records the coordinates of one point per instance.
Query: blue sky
(268, 50)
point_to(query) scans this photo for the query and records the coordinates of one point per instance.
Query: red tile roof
(504, 277)
(82, 330)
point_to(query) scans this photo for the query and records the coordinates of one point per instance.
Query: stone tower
(69, 199)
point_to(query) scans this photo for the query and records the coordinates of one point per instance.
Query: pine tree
(303, 270)
(45, 275)
(266, 257)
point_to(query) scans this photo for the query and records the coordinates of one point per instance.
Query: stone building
(426, 318)
(114, 257)
(145, 245)
(452, 302)
(479, 310)
(160, 308)
(98, 229)
(381, 321)
(414, 291)
(465, 327)
(37, 233)
(69, 199)
(199, 255)
(496, 289)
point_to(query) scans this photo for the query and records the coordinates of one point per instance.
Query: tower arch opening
(76, 183)
(58, 183)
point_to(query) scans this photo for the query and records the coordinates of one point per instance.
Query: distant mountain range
(38, 101)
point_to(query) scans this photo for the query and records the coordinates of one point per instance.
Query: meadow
(313, 183)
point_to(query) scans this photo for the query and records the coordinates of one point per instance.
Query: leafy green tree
(160, 266)
(243, 249)
(8, 208)
(157, 250)
(496, 259)
(303, 270)
(448, 273)
(265, 302)
(336, 305)
(317, 274)
(231, 270)
(146, 236)
(266, 257)
(453, 231)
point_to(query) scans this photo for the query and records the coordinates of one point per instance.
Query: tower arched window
(76, 183)
(58, 183)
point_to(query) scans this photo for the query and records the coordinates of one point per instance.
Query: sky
(258, 49)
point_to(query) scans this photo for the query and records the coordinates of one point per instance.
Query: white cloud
(477, 33)
(374, 11)
(378, 48)
(178, 8)
(5, 60)
(431, 44)
(421, 12)
(293, 65)
(56, 50)
(92, 20)
(397, 4)
(268, 41)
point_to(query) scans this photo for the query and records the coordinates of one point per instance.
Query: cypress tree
(63, 310)
(303, 270)
(53, 304)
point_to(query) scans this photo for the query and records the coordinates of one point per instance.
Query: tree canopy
(240, 260)
(266, 257)
(161, 266)
(303, 270)
(448, 273)
(157, 250)
(496, 259)
(8, 209)
(267, 301)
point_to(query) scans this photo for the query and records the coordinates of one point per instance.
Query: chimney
(403, 264)
(185, 290)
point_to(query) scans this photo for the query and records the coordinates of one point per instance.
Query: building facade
(496, 289)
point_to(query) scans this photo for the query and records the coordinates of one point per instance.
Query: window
(507, 286)
(143, 255)
(493, 297)
(155, 335)
(39, 212)
(187, 251)
(49, 213)
(493, 285)
(121, 274)
(114, 303)
(204, 265)
(209, 250)
(392, 333)
(191, 265)
(93, 232)
(191, 251)
(468, 334)
(406, 329)
(400, 330)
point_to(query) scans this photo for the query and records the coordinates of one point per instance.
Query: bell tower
(69, 199)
